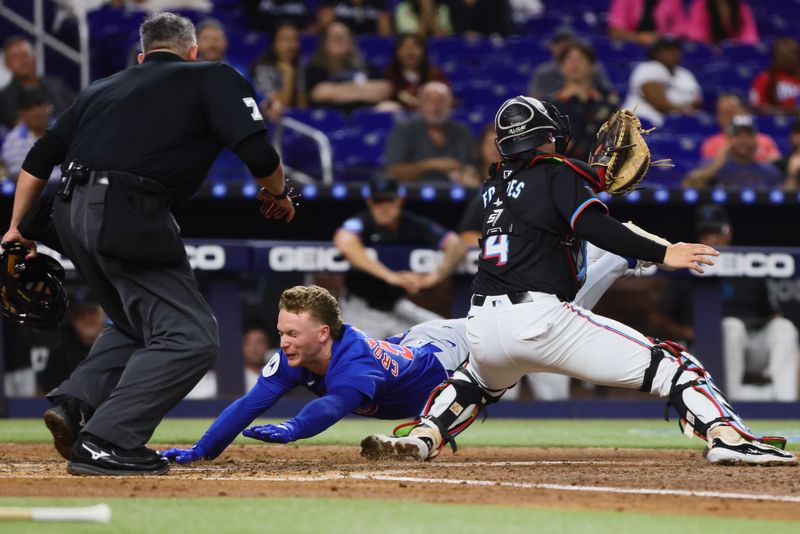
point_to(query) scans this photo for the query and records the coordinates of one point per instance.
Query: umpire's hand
(13, 236)
(689, 256)
(276, 207)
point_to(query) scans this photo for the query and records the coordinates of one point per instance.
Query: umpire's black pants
(163, 338)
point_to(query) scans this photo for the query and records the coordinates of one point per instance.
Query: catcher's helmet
(523, 123)
(31, 291)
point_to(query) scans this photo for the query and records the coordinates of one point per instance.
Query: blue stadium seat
(327, 120)
(245, 47)
(369, 120)
(447, 48)
(357, 154)
(227, 167)
(738, 52)
(701, 124)
(476, 118)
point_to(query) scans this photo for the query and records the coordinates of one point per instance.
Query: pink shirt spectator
(668, 15)
(766, 152)
(698, 27)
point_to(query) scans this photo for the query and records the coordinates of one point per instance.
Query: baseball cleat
(64, 420)
(376, 447)
(747, 452)
(95, 457)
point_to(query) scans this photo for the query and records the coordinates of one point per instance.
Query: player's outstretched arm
(314, 418)
(228, 424)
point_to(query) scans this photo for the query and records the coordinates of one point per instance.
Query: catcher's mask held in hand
(31, 291)
(523, 123)
(622, 156)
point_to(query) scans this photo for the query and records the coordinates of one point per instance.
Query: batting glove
(282, 433)
(184, 456)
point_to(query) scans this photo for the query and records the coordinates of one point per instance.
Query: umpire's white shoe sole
(376, 447)
(746, 452)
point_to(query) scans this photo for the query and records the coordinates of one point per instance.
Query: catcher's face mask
(31, 291)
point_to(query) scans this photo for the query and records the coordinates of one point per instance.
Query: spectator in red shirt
(777, 90)
(644, 21)
(410, 70)
(714, 21)
(728, 106)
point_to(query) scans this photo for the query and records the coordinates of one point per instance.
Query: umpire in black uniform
(131, 147)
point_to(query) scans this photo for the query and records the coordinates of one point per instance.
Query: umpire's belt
(517, 297)
(131, 182)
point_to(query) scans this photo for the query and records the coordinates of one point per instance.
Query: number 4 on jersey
(496, 246)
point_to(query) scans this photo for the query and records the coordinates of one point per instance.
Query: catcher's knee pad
(451, 408)
(678, 375)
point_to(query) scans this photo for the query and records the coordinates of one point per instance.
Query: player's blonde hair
(318, 302)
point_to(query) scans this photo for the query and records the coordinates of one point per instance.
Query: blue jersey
(365, 376)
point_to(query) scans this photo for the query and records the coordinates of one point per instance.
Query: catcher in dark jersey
(539, 210)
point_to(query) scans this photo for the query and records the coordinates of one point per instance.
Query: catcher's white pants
(772, 350)
(509, 340)
(382, 324)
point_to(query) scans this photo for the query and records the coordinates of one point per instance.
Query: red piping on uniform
(597, 184)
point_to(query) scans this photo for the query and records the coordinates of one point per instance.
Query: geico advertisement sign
(201, 257)
(751, 265)
(329, 259)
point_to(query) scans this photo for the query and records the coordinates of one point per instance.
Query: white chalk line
(457, 482)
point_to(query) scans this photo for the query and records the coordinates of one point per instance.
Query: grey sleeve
(397, 146)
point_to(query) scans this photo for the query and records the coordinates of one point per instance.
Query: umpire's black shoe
(65, 420)
(94, 456)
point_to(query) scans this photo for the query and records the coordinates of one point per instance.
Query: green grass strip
(624, 433)
(316, 515)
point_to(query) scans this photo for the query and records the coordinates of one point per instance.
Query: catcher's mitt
(622, 156)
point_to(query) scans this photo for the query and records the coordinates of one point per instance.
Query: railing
(318, 136)
(36, 28)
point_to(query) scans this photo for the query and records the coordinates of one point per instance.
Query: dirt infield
(598, 479)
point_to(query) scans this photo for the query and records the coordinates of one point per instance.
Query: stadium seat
(357, 154)
(327, 120)
(701, 124)
(243, 48)
(370, 120)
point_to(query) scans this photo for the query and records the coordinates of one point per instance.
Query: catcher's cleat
(65, 420)
(376, 447)
(742, 451)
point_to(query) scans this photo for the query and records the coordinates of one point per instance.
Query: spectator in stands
(34, 119)
(360, 16)
(432, 147)
(255, 346)
(714, 21)
(735, 165)
(644, 21)
(728, 106)
(85, 321)
(760, 345)
(662, 85)
(547, 78)
(276, 73)
(587, 106)
(375, 295)
(472, 18)
(426, 18)
(789, 165)
(338, 76)
(212, 44)
(410, 70)
(777, 89)
(22, 64)
(269, 16)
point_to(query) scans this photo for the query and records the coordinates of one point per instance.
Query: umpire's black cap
(711, 218)
(383, 187)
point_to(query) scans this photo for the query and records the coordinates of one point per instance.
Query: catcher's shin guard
(450, 409)
(676, 374)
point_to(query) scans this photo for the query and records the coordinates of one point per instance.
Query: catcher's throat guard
(31, 290)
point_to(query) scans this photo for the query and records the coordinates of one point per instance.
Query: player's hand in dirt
(184, 456)
(269, 433)
(689, 256)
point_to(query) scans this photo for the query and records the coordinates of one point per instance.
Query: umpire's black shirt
(166, 119)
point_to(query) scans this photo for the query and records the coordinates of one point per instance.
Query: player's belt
(518, 297)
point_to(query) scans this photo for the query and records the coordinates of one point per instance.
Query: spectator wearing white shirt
(662, 85)
(34, 115)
